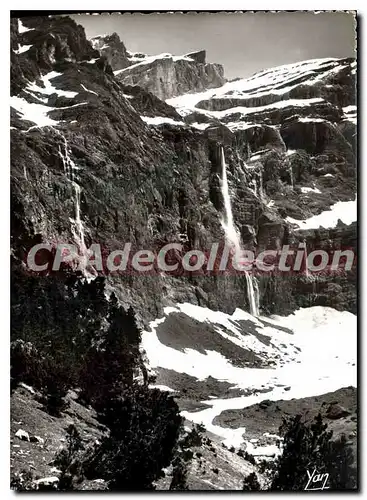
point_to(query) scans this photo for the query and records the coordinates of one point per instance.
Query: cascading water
(291, 175)
(234, 238)
(252, 294)
(228, 224)
(70, 170)
(306, 262)
(79, 234)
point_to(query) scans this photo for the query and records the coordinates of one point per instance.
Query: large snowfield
(318, 357)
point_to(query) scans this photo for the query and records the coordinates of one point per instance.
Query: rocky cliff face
(168, 76)
(163, 75)
(149, 174)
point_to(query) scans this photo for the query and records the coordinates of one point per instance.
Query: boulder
(336, 411)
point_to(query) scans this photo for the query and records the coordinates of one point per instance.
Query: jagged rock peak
(113, 49)
(164, 75)
(42, 44)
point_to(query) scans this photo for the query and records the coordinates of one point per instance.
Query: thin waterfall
(79, 233)
(261, 190)
(291, 175)
(70, 170)
(306, 262)
(234, 238)
(228, 224)
(253, 294)
(256, 309)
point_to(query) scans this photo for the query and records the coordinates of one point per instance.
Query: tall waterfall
(70, 170)
(234, 238)
(228, 224)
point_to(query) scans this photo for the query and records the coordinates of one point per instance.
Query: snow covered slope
(310, 352)
(270, 85)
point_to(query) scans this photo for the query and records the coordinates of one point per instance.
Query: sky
(243, 42)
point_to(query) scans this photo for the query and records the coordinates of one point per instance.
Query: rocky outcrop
(164, 75)
(50, 42)
(113, 49)
(336, 411)
(147, 104)
(167, 76)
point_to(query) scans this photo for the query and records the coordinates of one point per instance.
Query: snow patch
(350, 109)
(158, 120)
(350, 113)
(36, 113)
(243, 110)
(200, 126)
(48, 88)
(307, 119)
(22, 28)
(346, 211)
(161, 388)
(87, 90)
(23, 435)
(22, 49)
(27, 387)
(310, 190)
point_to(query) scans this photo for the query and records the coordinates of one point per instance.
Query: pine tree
(311, 447)
(144, 427)
(342, 470)
(179, 476)
(251, 483)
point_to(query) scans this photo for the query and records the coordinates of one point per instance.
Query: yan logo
(316, 482)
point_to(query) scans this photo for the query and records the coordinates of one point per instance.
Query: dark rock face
(315, 137)
(199, 56)
(151, 185)
(148, 104)
(54, 41)
(262, 138)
